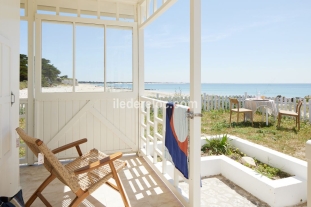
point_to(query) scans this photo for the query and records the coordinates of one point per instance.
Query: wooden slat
(90, 130)
(109, 117)
(116, 122)
(68, 134)
(96, 127)
(113, 128)
(103, 128)
(46, 122)
(82, 127)
(72, 121)
(122, 125)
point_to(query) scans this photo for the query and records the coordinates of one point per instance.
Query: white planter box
(277, 193)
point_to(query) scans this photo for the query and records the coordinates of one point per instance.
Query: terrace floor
(142, 186)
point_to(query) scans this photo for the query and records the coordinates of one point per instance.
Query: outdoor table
(268, 105)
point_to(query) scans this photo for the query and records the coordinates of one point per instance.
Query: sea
(229, 89)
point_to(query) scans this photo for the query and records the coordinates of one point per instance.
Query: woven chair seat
(83, 175)
(95, 178)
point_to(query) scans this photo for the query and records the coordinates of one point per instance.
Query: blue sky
(242, 42)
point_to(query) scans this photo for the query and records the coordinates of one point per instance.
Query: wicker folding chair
(238, 110)
(83, 175)
(291, 113)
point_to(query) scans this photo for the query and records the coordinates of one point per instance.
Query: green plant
(22, 85)
(217, 146)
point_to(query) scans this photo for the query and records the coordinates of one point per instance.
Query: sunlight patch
(139, 184)
(136, 172)
(128, 174)
(132, 186)
(146, 182)
(139, 196)
(66, 189)
(158, 190)
(143, 170)
(133, 162)
(151, 178)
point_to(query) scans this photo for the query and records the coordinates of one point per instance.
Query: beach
(90, 88)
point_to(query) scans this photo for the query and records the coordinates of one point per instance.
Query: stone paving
(218, 191)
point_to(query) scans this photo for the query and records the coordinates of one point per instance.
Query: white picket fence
(222, 102)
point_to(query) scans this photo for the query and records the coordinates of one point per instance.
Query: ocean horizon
(229, 89)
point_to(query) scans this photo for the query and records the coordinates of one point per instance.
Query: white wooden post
(155, 130)
(215, 102)
(308, 156)
(148, 130)
(309, 110)
(30, 112)
(204, 101)
(195, 96)
(304, 109)
(163, 135)
(208, 103)
(155, 6)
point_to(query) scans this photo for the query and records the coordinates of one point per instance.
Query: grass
(22, 150)
(285, 139)
(22, 85)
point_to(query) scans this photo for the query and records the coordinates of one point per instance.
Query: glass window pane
(23, 50)
(89, 58)
(22, 10)
(119, 59)
(57, 57)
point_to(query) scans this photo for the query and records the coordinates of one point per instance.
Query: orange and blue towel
(177, 137)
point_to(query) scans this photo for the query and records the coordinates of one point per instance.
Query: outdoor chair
(291, 113)
(83, 175)
(238, 110)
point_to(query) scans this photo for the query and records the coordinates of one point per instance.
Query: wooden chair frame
(238, 110)
(36, 145)
(291, 113)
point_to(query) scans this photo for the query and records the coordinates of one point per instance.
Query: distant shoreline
(118, 82)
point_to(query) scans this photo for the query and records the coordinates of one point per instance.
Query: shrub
(217, 146)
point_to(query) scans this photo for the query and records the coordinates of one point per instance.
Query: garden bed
(281, 192)
(220, 145)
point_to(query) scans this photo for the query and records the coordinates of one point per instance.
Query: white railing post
(310, 110)
(163, 135)
(304, 103)
(308, 156)
(148, 130)
(155, 131)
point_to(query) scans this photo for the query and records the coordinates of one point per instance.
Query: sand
(89, 88)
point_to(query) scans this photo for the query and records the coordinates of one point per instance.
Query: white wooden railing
(308, 156)
(222, 102)
(23, 106)
(152, 144)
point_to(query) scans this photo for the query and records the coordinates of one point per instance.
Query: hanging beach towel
(177, 137)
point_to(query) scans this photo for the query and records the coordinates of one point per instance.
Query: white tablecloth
(254, 104)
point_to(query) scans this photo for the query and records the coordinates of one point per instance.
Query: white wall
(9, 161)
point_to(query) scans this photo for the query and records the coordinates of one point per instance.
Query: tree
(23, 67)
(49, 72)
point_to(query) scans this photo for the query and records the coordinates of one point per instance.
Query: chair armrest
(70, 145)
(98, 163)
